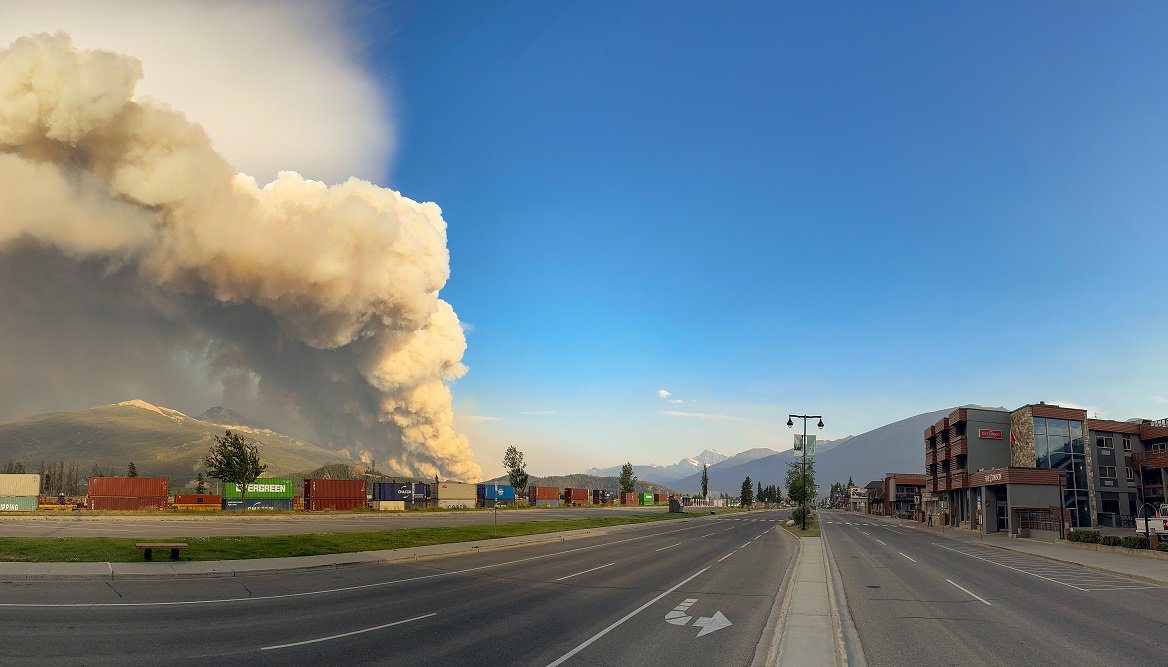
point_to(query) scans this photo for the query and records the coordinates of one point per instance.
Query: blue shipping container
(504, 492)
(258, 504)
(393, 491)
(421, 492)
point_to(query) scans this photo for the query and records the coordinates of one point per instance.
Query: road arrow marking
(713, 623)
(678, 616)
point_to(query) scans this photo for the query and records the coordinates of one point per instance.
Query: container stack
(456, 495)
(659, 498)
(575, 496)
(391, 496)
(543, 496)
(266, 493)
(490, 495)
(19, 492)
(628, 498)
(202, 502)
(645, 499)
(334, 494)
(128, 493)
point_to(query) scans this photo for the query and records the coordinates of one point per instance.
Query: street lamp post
(791, 424)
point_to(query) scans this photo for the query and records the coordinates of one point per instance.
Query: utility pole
(790, 424)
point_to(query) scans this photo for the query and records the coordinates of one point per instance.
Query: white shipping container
(20, 485)
(456, 491)
(389, 505)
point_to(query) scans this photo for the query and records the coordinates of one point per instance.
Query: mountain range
(682, 468)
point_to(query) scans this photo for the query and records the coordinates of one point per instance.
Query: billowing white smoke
(325, 297)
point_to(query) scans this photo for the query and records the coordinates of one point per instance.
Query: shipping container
(264, 487)
(19, 503)
(19, 484)
(389, 505)
(628, 498)
(198, 499)
(129, 487)
(257, 504)
(600, 496)
(546, 503)
(645, 499)
(456, 503)
(334, 489)
(575, 496)
(535, 493)
(335, 504)
(126, 503)
(393, 491)
(422, 492)
(489, 503)
(660, 497)
(503, 492)
(456, 491)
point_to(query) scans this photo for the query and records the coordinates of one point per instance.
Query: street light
(790, 424)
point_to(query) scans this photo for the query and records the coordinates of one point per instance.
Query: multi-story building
(991, 469)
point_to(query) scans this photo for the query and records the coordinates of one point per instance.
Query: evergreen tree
(747, 492)
(200, 484)
(705, 480)
(628, 481)
(131, 470)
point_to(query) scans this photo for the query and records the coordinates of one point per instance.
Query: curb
(772, 633)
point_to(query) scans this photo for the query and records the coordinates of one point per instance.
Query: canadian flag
(1013, 440)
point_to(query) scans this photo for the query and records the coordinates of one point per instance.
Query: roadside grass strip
(122, 550)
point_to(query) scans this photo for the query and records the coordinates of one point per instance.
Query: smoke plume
(130, 248)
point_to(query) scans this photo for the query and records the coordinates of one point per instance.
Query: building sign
(989, 434)
(858, 493)
(994, 477)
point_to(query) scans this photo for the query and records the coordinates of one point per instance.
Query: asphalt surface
(82, 524)
(600, 600)
(916, 597)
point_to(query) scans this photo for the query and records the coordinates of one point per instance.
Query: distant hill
(611, 484)
(160, 441)
(657, 473)
(224, 417)
(895, 447)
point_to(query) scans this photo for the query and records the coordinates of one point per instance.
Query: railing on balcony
(930, 457)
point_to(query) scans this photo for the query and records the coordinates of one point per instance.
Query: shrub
(1110, 540)
(1162, 545)
(1134, 542)
(1084, 535)
(797, 515)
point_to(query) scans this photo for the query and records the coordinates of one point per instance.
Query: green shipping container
(645, 498)
(269, 487)
(18, 503)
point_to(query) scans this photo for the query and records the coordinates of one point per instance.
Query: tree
(233, 460)
(758, 495)
(200, 484)
(705, 480)
(515, 467)
(628, 481)
(747, 492)
(131, 470)
(797, 491)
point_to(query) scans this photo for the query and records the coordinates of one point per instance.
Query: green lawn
(122, 550)
(812, 528)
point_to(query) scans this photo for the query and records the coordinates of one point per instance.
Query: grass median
(812, 527)
(122, 550)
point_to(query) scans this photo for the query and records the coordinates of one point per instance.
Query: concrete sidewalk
(1151, 567)
(809, 621)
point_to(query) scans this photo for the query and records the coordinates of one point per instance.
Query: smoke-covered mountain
(160, 441)
(224, 417)
(896, 447)
(658, 473)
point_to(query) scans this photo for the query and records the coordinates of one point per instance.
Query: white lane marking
(915, 560)
(745, 545)
(668, 547)
(343, 589)
(624, 618)
(587, 571)
(347, 634)
(1050, 579)
(706, 535)
(967, 590)
(864, 532)
(879, 540)
(727, 556)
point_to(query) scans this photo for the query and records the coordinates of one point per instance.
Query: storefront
(1018, 501)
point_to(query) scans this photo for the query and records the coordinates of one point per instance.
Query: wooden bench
(174, 547)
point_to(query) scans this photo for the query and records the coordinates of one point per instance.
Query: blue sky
(864, 211)
(856, 210)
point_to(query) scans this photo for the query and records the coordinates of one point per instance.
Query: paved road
(79, 524)
(599, 600)
(918, 598)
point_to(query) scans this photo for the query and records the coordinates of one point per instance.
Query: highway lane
(81, 524)
(916, 597)
(594, 600)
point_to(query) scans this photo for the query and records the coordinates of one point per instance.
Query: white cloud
(664, 393)
(277, 86)
(704, 416)
(467, 327)
(481, 418)
(538, 412)
(676, 401)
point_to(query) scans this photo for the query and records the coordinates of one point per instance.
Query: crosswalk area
(752, 520)
(1072, 576)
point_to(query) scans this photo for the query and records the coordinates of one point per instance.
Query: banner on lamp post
(799, 445)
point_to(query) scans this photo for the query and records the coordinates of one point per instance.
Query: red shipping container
(335, 488)
(658, 497)
(629, 498)
(126, 503)
(576, 496)
(321, 504)
(128, 487)
(198, 499)
(535, 493)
